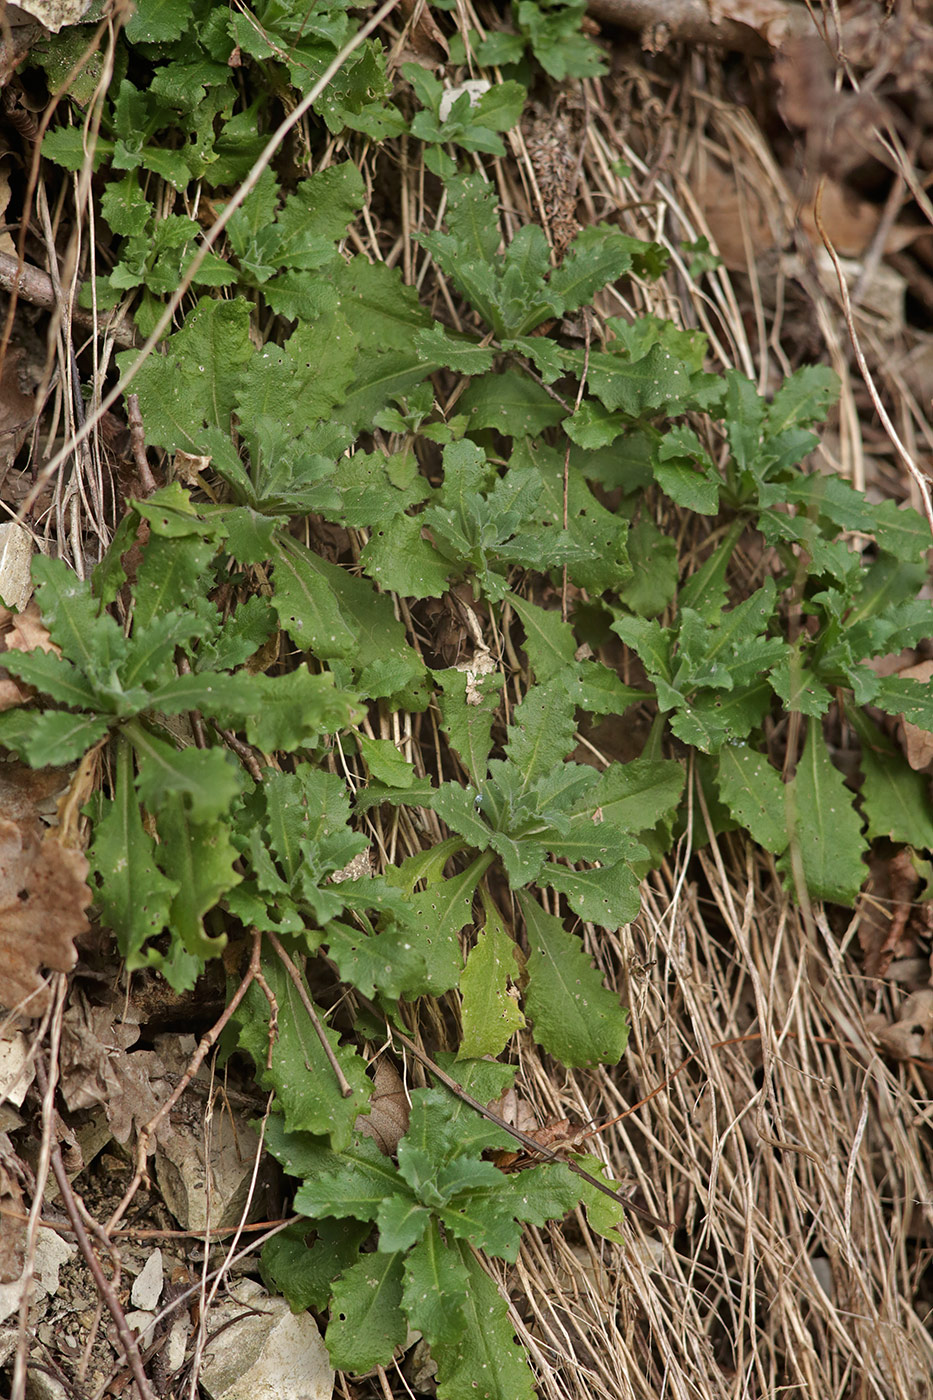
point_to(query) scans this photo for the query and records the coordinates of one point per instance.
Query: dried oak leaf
(13, 1234)
(911, 1038)
(43, 896)
(98, 1068)
(22, 631)
(387, 1120)
(883, 926)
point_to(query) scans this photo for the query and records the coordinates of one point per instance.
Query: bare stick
(207, 1042)
(243, 751)
(690, 20)
(35, 286)
(138, 443)
(313, 1017)
(527, 1141)
(54, 1015)
(104, 1287)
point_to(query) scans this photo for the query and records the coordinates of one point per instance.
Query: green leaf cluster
(254, 658)
(429, 1211)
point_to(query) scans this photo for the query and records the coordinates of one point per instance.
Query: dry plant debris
(772, 1102)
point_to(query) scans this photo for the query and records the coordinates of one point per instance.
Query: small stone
(273, 1354)
(147, 1290)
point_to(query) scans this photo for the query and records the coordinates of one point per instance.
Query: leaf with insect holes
(434, 918)
(194, 382)
(458, 1308)
(468, 701)
(754, 794)
(826, 829)
(366, 1319)
(574, 1016)
(912, 699)
(398, 557)
(489, 1011)
(656, 383)
(541, 731)
(387, 962)
(607, 896)
(305, 1274)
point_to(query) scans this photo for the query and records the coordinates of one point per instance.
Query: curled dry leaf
(43, 896)
(387, 1120)
(187, 468)
(918, 743)
(911, 1038)
(422, 35)
(893, 927)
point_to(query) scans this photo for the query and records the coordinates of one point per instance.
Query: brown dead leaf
(17, 411)
(22, 631)
(728, 207)
(911, 1038)
(850, 222)
(26, 793)
(891, 925)
(13, 1234)
(387, 1120)
(422, 35)
(43, 896)
(27, 632)
(918, 743)
(98, 1068)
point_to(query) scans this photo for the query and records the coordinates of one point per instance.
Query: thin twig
(35, 286)
(104, 1286)
(921, 480)
(243, 751)
(345, 1088)
(211, 237)
(138, 443)
(18, 1390)
(526, 1140)
(208, 1040)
